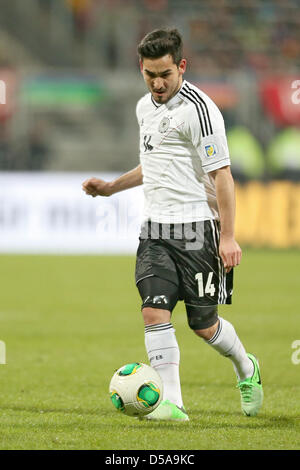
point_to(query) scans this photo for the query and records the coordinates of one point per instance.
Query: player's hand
(96, 187)
(230, 252)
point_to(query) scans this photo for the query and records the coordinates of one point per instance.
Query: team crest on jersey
(210, 150)
(164, 125)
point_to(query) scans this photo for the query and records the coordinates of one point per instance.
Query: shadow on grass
(235, 419)
(199, 419)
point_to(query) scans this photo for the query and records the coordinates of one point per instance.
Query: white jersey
(181, 141)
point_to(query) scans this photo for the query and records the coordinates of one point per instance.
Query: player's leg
(157, 282)
(226, 341)
(159, 297)
(207, 285)
(247, 370)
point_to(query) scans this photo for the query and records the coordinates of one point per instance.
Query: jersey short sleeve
(206, 130)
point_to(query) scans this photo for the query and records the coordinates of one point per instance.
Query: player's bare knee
(207, 333)
(153, 316)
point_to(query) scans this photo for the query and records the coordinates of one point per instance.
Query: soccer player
(187, 249)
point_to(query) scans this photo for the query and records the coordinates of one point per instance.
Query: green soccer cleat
(168, 411)
(251, 390)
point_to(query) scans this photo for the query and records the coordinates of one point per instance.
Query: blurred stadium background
(72, 82)
(70, 72)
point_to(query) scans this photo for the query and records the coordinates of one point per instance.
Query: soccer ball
(136, 389)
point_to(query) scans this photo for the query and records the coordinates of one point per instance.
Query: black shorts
(188, 256)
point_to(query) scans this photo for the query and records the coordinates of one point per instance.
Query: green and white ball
(136, 389)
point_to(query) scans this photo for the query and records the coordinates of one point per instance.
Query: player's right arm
(98, 187)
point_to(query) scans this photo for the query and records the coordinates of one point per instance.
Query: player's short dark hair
(161, 42)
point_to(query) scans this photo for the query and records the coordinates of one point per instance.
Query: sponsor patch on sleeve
(210, 150)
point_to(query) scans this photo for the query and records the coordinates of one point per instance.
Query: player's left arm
(214, 155)
(229, 249)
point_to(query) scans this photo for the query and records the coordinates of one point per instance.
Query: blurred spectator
(45, 12)
(37, 147)
(32, 152)
(284, 155)
(259, 35)
(81, 14)
(156, 5)
(247, 33)
(246, 154)
(45, 5)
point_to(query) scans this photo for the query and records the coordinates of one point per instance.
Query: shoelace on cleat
(246, 389)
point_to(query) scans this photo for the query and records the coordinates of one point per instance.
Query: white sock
(164, 356)
(227, 343)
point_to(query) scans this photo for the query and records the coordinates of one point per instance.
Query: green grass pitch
(69, 322)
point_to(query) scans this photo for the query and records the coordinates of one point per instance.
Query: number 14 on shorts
(209, 286)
